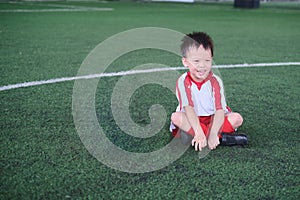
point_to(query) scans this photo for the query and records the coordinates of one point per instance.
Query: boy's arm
(218, 120)
(199, 139)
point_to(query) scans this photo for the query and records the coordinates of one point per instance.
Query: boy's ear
(184, 62)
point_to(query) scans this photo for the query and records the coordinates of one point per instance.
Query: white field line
(55, 10)
(257, 65)
(131, 72)
(60, 8)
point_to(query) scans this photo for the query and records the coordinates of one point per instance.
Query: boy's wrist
(213, 133)
(199, 134)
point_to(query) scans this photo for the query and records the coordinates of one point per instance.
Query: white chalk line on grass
(60, 8)
(257, 65)
(57, 10)
(131, 72)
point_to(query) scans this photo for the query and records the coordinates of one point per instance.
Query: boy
(202, 116)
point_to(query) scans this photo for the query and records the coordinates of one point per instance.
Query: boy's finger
(196, 146)
(203, 145)
(214, 146)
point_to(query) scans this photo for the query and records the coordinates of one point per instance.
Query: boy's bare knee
(238, 119)
(175, 118)
(235, 119)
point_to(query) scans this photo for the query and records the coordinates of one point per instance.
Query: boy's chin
(201, 77)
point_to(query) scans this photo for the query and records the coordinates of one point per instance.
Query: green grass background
(42, 156)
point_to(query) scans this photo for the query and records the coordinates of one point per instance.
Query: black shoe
(186, 138)
(233, 139)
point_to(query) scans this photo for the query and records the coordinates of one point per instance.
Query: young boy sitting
(202, 116)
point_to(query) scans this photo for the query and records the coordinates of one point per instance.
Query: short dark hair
(196, 39)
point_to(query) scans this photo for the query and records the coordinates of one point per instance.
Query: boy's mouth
(201, 72)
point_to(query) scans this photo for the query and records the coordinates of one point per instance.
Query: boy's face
(199, 62)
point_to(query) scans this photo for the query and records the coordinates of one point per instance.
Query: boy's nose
(200, 67)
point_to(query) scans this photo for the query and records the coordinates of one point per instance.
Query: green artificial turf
(42, 156)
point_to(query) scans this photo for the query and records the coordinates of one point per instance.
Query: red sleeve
(183, 91)
(218, 93)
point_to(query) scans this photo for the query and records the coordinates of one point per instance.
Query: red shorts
(205, 123)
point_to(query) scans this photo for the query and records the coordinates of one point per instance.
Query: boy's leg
(180, 120)
(227, 127)
(186, 131)
(231, 123)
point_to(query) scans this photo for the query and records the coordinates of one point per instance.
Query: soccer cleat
(186, 138)
(236, 139)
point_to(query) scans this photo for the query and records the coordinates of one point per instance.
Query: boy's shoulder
(216, 77)
(182, 77)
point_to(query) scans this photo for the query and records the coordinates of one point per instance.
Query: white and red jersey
(205, 97)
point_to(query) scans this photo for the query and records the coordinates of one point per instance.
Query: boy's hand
(213, 141)
(199, 142)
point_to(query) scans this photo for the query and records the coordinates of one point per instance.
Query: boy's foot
(186, 138)
(236, 139)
